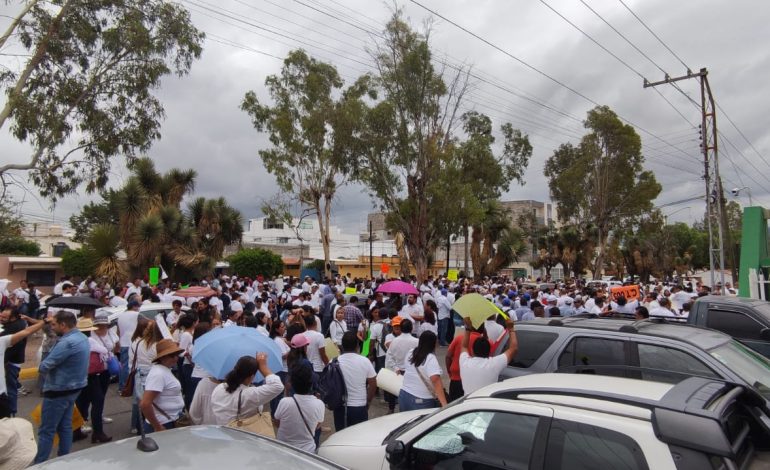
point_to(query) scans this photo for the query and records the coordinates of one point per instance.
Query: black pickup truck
(747, 320)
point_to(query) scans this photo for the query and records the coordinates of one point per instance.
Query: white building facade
(263, 231)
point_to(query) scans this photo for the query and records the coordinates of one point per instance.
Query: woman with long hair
(422, 386)
(143, 348)
(237, 390)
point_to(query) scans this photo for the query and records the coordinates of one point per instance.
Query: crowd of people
(309, 321)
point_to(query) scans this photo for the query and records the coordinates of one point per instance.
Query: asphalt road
(119, 408)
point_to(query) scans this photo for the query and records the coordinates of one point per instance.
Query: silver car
(193, 448)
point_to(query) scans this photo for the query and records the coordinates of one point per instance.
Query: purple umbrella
(397, 287)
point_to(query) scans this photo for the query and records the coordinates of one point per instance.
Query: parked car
(555, 421)
(149, 310)
(192, 448)
(747, 320)
(649, 350)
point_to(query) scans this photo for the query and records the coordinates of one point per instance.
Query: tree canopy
(253, 262)
(85, 94)
(601, 183)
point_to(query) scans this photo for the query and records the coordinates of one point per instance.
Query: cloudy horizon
(204, 128)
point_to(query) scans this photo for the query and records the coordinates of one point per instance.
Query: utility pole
(715, 200)
(448, 248)
(371, 253)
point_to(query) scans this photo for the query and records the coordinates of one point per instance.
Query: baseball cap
(299, 341)
(396, 321)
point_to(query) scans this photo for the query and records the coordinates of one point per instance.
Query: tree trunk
(599, 262)
(403, 259)
(323, 228)
(475, 252)
(465, 243)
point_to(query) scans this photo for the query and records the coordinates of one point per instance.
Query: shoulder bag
(128, 388)
(302, 416)
(428, 384)
(261, 423)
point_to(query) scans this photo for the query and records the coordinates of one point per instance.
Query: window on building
(306, 225)
(283, 240)
(41, 277)
(268, 224)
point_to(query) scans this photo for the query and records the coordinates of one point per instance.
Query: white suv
(565, 421)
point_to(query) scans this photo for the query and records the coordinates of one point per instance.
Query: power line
(655, 35)
(538, 71)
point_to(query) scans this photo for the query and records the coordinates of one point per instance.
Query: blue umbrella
(217, 351)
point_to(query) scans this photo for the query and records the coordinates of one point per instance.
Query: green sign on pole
(154, 276)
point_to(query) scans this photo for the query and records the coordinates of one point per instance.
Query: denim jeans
(355, 415)
(56, 419)
(189, 384)
(93, 396)
(12, 384)
(123, 376)
(443, 326)
(409, 402)
(139, 379)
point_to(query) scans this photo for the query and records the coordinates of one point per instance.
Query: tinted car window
(669, 365)
(592, 352)
(479, 439)
(532, 345)
(736, 324)
(578, 446)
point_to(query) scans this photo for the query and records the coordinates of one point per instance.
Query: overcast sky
(205, 129)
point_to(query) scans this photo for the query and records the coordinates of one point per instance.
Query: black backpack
(332, 385)
(33, 305)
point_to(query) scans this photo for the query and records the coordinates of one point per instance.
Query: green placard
(452, 274)
(154, 276)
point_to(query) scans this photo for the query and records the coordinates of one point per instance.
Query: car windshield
(750, 366)
(416, 420)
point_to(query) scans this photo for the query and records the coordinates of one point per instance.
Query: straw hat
(17, 444)
(86, 324)
(167, 347)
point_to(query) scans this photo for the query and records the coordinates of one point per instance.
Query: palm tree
(495, 243)
(103, 241)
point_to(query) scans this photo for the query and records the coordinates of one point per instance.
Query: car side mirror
(395, 452)
(764, 334)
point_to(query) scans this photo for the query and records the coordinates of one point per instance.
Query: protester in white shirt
(481, 370)
(299, 417)
(400, 345)
(316, 350)
(422, 387)
(237, 388)
(412, 311)
(360, 384)
(338, 327)
(162, 400)
(201, 412)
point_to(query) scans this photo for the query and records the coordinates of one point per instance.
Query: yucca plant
(104, 242)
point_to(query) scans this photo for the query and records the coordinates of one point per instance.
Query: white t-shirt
(317, 342)
(284, 351)
(160, 379)
(185, 342)
(425, 326)
(225, 404)
(144, 355)
(376, 335)
(413, 384)
(356, 369)
(477, 372)
(5, 343)
(397, 351)
(200, 407)
(411, 311)
(292, 430)
(126, 325)
(172, 317)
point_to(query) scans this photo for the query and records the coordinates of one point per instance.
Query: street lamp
(737, 191)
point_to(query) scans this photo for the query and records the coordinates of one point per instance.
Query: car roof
(191, 448)
(703, 338)
(633, 388)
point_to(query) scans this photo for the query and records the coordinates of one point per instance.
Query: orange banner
(629, 292)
